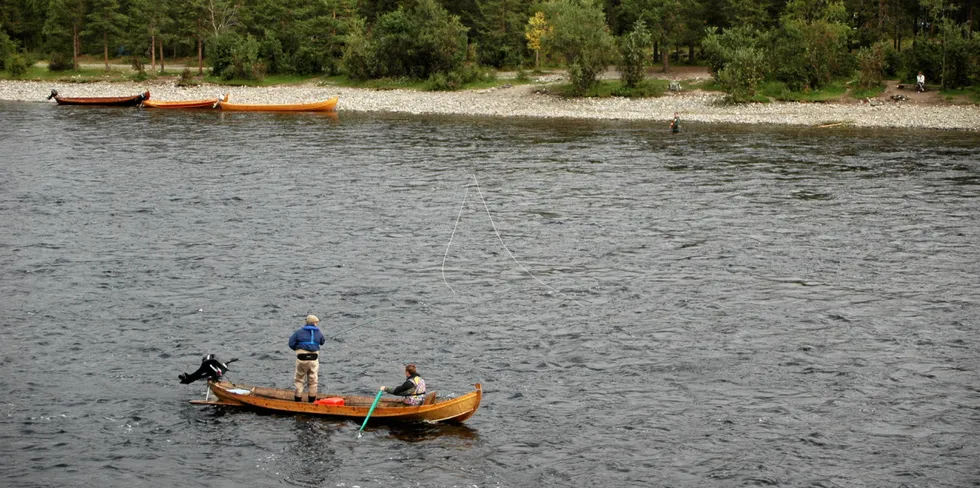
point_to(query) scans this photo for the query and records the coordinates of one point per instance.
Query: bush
(741, 77)
(634, 50)
(186, 78)
(233, 56)
(16, 65)
(871, 65)
(60, 62)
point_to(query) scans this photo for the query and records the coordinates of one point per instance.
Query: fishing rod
(356, 326)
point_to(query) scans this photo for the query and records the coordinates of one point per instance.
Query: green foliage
(60, 62)
(719, 48)
(16, 65)
(358, 53)
(642, 89)
(415, 43)
(235, 57)
(580, 34)
(871, 65)
(634, 49)
(500, 31)
(457, 79)
(8, 48)
(811, 44)
(742, 75)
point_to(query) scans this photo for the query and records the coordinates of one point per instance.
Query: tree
(811, 47)
(416, 43)
(580, 34)
(105, 22)
(499, 27)
(62, 30)
(537, 27)
(633, 48)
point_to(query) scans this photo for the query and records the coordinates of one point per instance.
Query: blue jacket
(309, 338)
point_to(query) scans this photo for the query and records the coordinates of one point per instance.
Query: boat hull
(324, 106)
(212, 103)
(104, 101)
(451, 410)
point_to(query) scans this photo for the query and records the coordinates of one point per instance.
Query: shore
(533, 100)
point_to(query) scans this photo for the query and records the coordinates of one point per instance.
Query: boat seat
(429, 399)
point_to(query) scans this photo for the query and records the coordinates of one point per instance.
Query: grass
(862, 93)
(779, 91)
(614, 88)
(971, 94)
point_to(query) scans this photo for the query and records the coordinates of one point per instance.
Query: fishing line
(502, 243)
(465, 191)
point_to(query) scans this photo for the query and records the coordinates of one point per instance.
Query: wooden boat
(353, 407)
(101, 101)
(324, 106)
(209, 103)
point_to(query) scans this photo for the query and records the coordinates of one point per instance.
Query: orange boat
(210, 103)
(352, 407)
(101, 101)
(324, 106)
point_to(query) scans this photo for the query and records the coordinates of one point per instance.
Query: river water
(727, 306)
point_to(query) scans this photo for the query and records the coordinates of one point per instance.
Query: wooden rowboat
(324, 106)
(101, 101)
(353, 407)
(209, 103)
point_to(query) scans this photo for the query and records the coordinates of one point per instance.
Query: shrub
(186, 78)
(871, 65)
(741, 77)
(60, 62)
(16, 65)
(634, 50)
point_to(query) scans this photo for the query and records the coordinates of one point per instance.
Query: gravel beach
(533, 100)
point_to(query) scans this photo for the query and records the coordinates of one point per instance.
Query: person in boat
(306, 341)
(675, 125)
(413, 389)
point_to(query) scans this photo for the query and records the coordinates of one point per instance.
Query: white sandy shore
(525, 101)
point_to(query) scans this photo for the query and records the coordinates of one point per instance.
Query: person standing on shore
(675, 125)
(306, 341)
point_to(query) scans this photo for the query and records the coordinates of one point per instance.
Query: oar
(375, 404)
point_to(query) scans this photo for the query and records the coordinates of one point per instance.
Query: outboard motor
(211, 368)
(53, 94)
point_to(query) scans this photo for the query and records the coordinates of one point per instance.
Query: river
(726, 306)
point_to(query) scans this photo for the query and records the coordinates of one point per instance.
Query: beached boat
(353, 407)
(101, 101)
(324, 106)
(209, 103)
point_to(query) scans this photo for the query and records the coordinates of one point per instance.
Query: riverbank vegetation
(756, 50)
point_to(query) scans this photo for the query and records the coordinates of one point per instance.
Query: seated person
(920, 82)
(413, 389)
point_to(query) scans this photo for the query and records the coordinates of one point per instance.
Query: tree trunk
(200, 56)
(153, 53)
(537, 59)
(161, 56)
(105, 50)
(74, 47)
(666, 57)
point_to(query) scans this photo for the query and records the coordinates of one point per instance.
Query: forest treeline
(804, 44)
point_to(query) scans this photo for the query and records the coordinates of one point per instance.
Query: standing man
(306, 342)
(675, 125)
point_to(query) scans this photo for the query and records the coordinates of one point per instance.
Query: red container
(332, 401)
